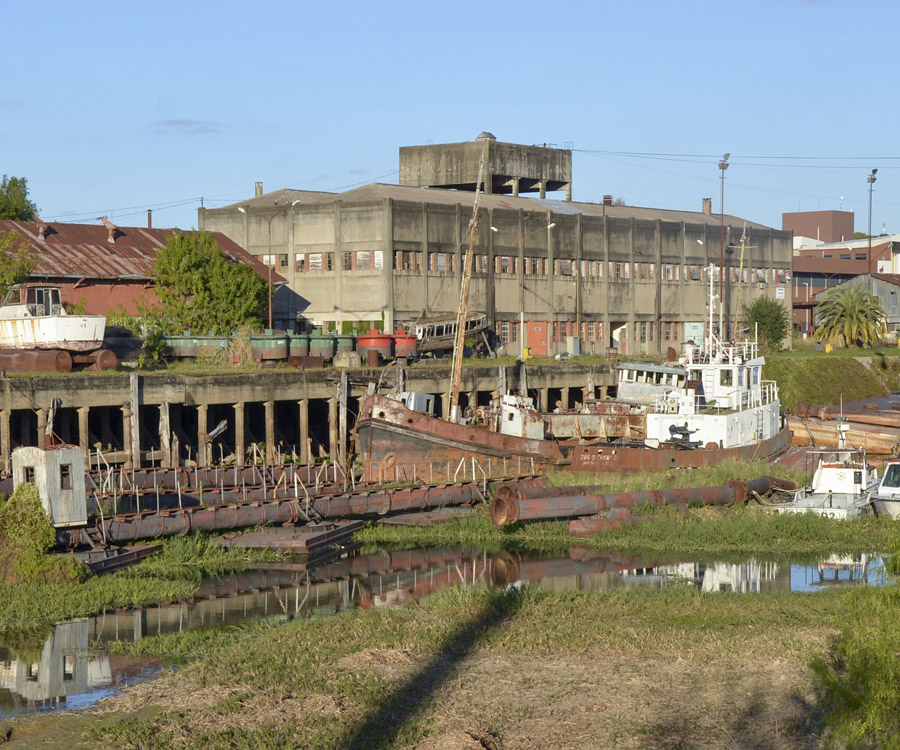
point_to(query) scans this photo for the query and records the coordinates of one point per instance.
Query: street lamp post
(871, 180)
(806, 284)
(723, 165)
(268, 220)
(521, 238)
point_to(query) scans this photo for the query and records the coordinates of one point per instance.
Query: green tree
(202, 291)
(14, 203)
(851, 314)
(771, 320)
(17, 261)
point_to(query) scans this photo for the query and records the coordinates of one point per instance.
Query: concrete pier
(161, 419)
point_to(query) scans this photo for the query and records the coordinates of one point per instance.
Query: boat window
(726, 377)
(14, 296)
(740, 376)
(892, 476)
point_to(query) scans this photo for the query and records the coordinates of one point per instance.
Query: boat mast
(462, 312)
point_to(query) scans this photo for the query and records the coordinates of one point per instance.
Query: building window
(363, 261)
(378, 260)
(300, 262)
(29, 474)
(348, 261)
(860, 256)
(283, 260)
(268, 260)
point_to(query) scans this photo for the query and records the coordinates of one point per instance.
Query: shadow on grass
(388, 718)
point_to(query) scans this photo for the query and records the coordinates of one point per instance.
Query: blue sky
(113, 108)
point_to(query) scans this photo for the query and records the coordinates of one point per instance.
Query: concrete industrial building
(611, 276)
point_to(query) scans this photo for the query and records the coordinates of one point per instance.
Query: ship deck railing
(767, 393)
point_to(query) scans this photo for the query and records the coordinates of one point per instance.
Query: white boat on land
(33, 317)
(886, 499)
(842, 486)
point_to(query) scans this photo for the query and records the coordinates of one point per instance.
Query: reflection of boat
(840, 487)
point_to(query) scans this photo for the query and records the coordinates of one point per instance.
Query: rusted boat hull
(398, 444)
(612, 457)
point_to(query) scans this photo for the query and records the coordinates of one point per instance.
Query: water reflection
(72, 670)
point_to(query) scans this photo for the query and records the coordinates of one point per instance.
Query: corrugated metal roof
(84, 251)
(379, 191)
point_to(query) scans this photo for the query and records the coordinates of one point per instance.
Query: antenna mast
(462, 312)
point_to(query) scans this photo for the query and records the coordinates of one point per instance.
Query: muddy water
(73, 669)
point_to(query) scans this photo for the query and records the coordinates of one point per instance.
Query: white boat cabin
(519, 418)
(842, 471)
(32, 302)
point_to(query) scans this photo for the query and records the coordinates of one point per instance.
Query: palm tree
(851, 314)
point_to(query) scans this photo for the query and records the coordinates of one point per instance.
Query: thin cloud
(191, 127)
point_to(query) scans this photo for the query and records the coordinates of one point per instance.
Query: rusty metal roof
(84, 251)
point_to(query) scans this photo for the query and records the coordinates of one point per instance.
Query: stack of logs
(592, 513)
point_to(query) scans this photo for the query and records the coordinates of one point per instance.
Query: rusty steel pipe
(35, 360)
(261, 510)
(509, 510)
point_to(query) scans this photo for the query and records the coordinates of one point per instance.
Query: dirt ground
(504, 702)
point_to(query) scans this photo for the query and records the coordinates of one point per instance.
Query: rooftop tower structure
(510, 168)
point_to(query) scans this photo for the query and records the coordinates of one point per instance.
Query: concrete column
(270, 431)
(165, 435)
(41, 427)
(240, 434)
(564, 397)
(303, 403)
(338, 289)
(6, 440)
(473, 399)
(515, 187)
(333, 438)
(126, 435)
(388, 269)
(202, 430)
(423, 243)
(544, 398)
(569, 192)
(84, 413)
(543, 188)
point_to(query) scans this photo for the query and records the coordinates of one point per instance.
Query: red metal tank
(406, 345)
(375, 341)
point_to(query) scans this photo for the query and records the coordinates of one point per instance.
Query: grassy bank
(170, 576)
(507, 668)
(826, 378)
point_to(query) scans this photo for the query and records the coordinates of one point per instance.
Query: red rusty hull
(612, 457)
(396, 444)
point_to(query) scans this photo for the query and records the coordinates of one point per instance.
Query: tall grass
(859, 679)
